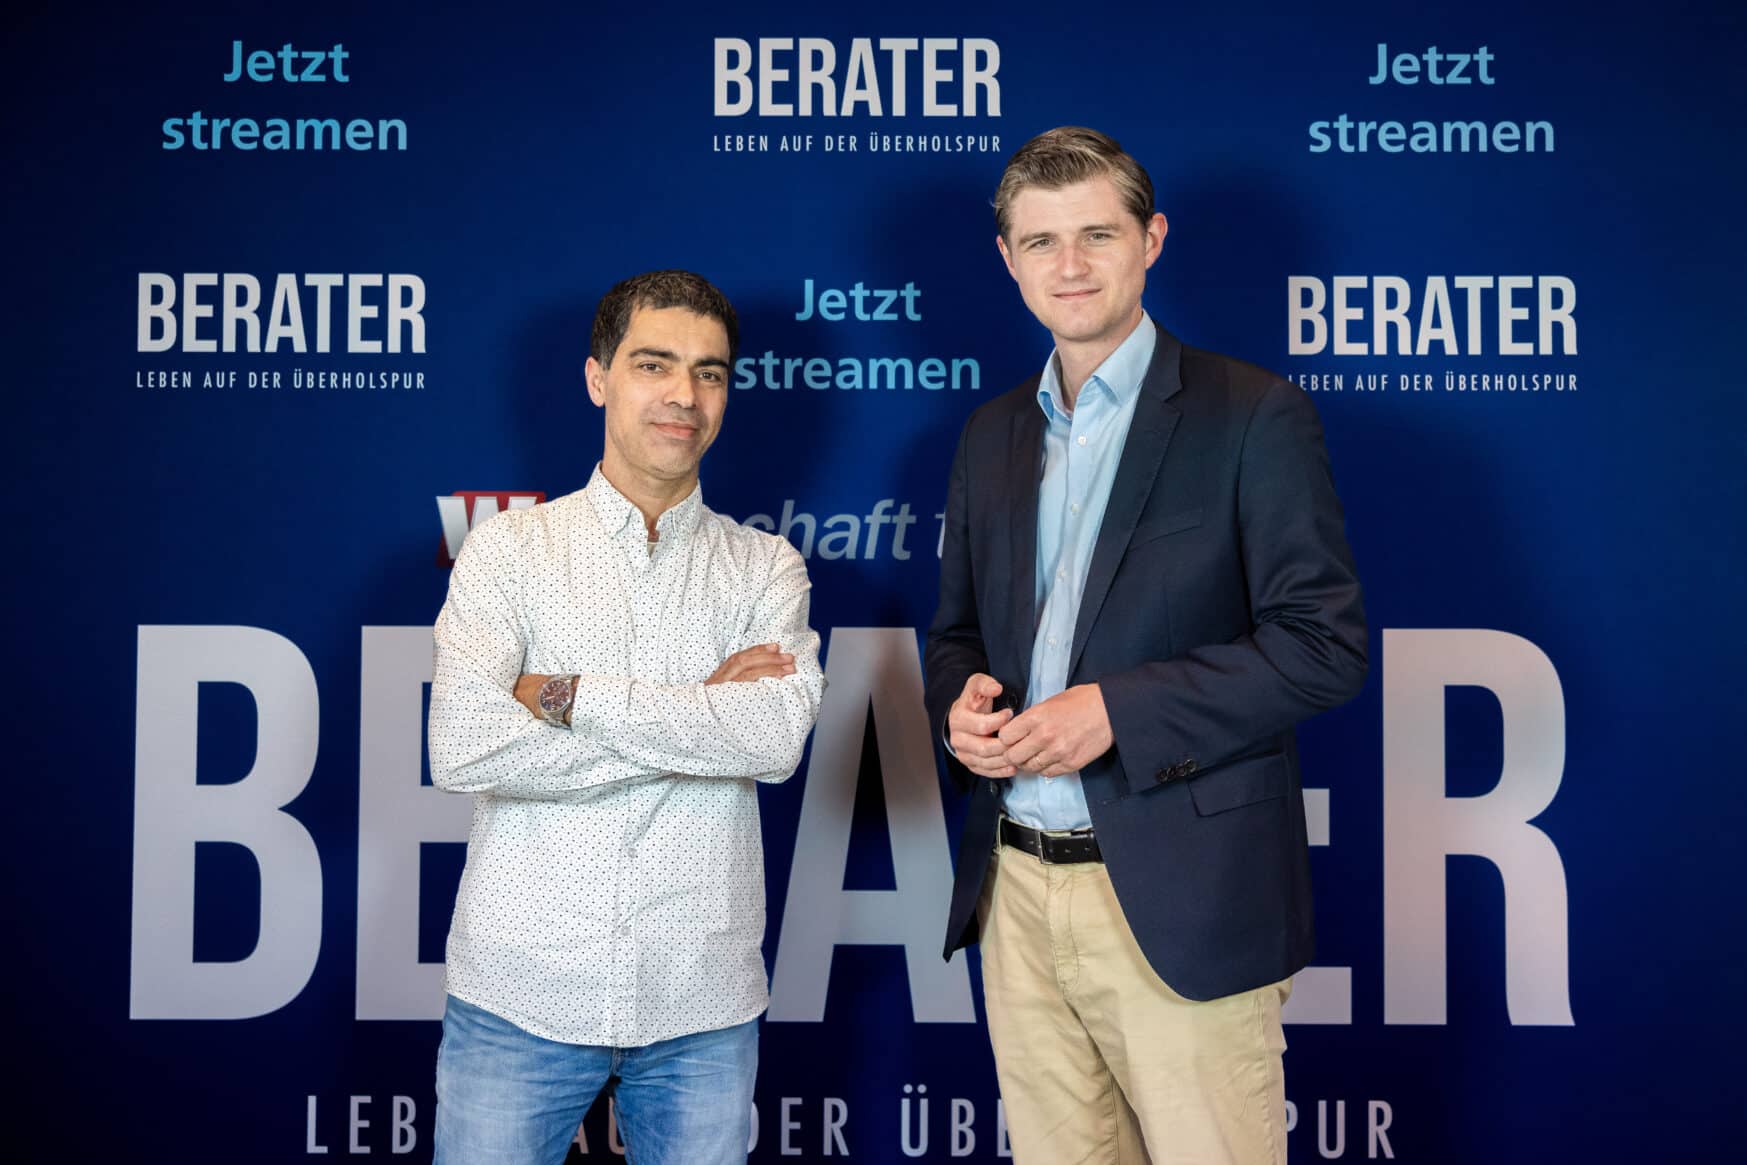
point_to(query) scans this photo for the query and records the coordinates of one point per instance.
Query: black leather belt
(1053, 847)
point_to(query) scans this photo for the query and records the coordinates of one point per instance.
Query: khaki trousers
(1099, 1060)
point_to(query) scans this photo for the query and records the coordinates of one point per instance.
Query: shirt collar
(618, 513)
(1118, 378)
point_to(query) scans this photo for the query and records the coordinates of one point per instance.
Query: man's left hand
(1061, 735)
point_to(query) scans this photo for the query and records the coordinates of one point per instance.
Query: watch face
(555, 694)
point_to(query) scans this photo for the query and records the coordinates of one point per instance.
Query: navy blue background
(554, 149)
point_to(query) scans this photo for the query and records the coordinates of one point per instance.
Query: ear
(596, 378)
(1006, 257)
(1156, 230)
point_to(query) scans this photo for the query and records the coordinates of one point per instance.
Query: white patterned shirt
(614, 889)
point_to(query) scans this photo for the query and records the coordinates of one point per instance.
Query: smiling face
(1080, 258)
(664, 394)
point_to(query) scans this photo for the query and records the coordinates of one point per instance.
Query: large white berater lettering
(877, 667)
(172, 813)
(397, 814)
(1320, 320)
(873, 670)
(1421, 825)
(875, 77)
(235, 299)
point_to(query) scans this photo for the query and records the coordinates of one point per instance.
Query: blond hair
(1067, 155)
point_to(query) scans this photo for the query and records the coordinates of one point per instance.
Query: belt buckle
(1042, 843)
(1048, 839)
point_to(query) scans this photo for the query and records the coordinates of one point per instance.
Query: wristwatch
(556, 695)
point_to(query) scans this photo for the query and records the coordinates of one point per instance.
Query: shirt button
(1052, 641)
(1061, 572)
(1074, 507)
(1082, 440)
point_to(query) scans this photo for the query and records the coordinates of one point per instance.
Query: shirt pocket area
(1244, 782)
(694, 653)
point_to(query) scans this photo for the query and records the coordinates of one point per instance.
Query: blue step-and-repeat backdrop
(300, 293)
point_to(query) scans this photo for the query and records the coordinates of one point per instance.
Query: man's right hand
(754, 663)
(971, 725)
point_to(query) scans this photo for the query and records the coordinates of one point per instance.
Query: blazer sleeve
(1307, 648)
(954, 651)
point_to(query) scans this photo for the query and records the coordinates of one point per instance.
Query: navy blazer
(1221, 607)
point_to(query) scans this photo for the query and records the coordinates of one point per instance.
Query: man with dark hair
(658, 290)
(614, 671)
(1145, 584)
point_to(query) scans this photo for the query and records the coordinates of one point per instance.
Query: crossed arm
(749, 719)
(744, 666)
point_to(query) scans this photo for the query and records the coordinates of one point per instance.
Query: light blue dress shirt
(1081, 449)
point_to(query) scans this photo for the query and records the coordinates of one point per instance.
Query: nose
(1073, 263)
(681, 393)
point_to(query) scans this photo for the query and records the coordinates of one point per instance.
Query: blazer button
(1189, 766)
(1161, 776)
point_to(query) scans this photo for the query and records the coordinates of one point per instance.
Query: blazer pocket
(1244, 782)
(1165, 526)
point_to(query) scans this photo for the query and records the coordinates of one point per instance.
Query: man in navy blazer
(1145, 584)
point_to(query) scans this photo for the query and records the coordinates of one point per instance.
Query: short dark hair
(657, 290)
(1067, 155)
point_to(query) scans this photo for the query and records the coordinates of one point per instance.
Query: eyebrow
(1097, 226)
(672, 357)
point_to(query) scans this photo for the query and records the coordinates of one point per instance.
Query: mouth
(676, 431)
(1077, 295)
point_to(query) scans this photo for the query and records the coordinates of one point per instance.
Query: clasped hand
(1052, 738)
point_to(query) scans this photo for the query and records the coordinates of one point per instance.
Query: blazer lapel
(1024, 477)
(1149, 434)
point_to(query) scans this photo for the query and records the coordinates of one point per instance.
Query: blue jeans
(507, 1097)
